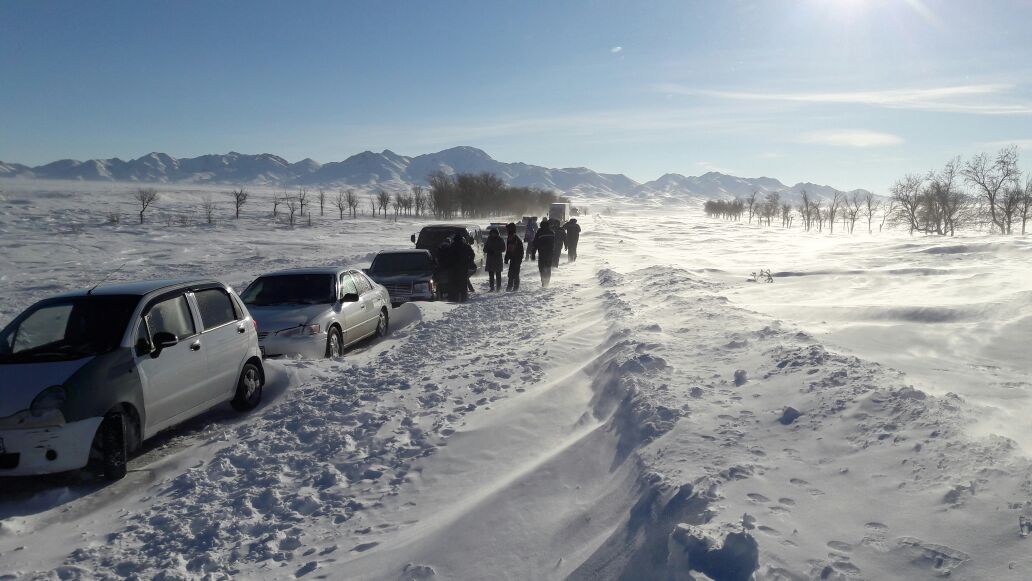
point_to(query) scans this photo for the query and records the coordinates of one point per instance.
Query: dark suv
(431, 237)
(408, 275)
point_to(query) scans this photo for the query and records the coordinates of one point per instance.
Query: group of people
(543, 244)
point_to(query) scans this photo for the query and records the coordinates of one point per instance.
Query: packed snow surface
(653, 414)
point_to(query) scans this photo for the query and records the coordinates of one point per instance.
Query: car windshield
(407, 262)
(66, 329)
(290, 289)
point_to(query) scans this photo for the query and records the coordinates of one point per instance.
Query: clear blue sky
(851, 93)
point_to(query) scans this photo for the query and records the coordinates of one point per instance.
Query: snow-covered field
(592, 430)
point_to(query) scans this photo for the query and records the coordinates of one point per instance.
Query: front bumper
(25, 451)
(307, 346)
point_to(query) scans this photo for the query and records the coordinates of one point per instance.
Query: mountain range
(393, 172)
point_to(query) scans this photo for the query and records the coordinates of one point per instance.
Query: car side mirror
(163, 340)
(413, 238)
(349, 298)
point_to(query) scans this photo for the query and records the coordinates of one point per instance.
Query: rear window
(408, 262)
(216, 307)
(432, 238)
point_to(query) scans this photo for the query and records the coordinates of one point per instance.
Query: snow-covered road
(589, 430)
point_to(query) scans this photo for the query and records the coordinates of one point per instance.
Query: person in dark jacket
(443, 270)
(528, 237)
(560, 241)
(572, 238)
(513, 257)
(494, 248)
(544, 240)
(464, 260)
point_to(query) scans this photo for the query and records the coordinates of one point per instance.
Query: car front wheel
(249, 389)
(382, 324)
(111, 447)
(334, 343)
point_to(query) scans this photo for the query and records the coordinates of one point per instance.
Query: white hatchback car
(316, 312)
(87, 376)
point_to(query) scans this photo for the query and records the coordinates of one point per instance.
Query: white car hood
(20, 383)
(277, 318)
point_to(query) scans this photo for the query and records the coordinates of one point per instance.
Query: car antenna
(106, 277)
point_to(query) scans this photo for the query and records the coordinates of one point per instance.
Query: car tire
(249, 389)
(112, 443)
(334, 343)
(383, 324)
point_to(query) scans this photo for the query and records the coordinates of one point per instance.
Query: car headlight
(50, 399)
(300, 330)
(421, 287)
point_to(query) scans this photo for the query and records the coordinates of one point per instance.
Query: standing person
(463, 260)
(545, 242)
(572, 238)
(560, 241)
(528, 236)
(444, 268)
(494, 248)
(513, 257)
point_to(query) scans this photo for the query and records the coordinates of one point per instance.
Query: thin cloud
(952, 99)
(616, 49)
(851, 138)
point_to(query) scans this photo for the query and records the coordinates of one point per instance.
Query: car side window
(347, 286)
(216, 307)
(171, 316)
(361, 282)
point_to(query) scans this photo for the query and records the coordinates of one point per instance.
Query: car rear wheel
(383, 323)
(334, 343)
(249, 389)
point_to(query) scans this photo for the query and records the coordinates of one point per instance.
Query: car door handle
(195, 346)
(241, 329)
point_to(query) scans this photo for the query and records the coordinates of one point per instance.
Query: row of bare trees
(481, 195)
(938, 203)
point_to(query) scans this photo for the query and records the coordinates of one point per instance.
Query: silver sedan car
(316, 312)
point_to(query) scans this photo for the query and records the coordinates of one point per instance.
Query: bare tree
(397, 204)
(871, 205)
(1026, 203)
(383, 200)
(818, 213)
(887, 214)
(372, 205)
(276, 201)
(352, 200)
(145, 197)
(302, 199)
(322, 201)
(991, 178)
(906, 193)
(239, 199)
(786, 215)
(838, 200)
(418, 199)
(856, 203)
(292, 207)
(341, 203)
(805, 209)
(947, 205)
(750, 203)
(208, 207)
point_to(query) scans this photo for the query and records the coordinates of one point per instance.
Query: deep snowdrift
(629, 422)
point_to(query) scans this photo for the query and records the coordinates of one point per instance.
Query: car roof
(447, 226)
(405, 251)
(308, 270)
(139, 288)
